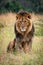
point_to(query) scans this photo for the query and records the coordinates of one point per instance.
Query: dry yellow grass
(8, 18)
(35, 57)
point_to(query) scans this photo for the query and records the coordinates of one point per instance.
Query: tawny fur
(24, 38)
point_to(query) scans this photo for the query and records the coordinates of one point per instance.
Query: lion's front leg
(11, 45)
(27, 46)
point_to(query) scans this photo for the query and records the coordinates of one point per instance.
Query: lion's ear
(29, 16)
(17, 17)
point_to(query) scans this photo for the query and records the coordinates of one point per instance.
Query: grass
(35, 57)
(22, 59)
(39, 31)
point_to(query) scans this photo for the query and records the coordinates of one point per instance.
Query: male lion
(24, 30)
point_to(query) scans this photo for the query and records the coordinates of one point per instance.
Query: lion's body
(24, 31)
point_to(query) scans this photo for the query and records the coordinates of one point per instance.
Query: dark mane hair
(22, 12)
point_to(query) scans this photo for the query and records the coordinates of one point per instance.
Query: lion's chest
(23, 38)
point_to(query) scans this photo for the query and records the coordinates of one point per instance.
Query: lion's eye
(29, 17)
(24, 21)
(20, 22)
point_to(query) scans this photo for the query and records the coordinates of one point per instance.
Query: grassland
(35, 57)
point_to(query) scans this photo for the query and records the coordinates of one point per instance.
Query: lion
(24, 30)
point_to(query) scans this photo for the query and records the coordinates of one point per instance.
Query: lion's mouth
(23, 29)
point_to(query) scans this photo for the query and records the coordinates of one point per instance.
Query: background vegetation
(16, 5)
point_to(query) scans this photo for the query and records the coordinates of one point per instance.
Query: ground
(35, 57)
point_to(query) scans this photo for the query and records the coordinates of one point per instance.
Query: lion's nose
(23, 25)
(22, 22)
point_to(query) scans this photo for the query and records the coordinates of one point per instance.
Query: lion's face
(23, 23)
